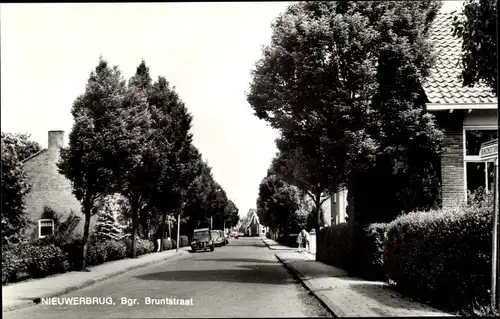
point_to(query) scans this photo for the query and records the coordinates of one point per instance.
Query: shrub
(44, 260)
(167, 244)
(333, 245)
(12, 263)
(183, 241)
(116, 250)
(372, 253)
(143, 246)
(73, 250)
(97, 253)
(442, 257)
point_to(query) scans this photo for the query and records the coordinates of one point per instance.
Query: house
(49, 188)
(253, 227)
(468, 117)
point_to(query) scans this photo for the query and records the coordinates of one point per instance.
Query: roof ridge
(34, 155)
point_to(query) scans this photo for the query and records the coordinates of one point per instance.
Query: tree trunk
(178, 229)
(134, 205)
(317, 204)
(162, 229)
(86, 231)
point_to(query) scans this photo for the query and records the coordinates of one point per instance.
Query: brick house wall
(452, 160)
(48, 186)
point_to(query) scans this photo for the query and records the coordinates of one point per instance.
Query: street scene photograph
(249, 159)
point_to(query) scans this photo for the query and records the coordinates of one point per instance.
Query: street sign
(489, 150)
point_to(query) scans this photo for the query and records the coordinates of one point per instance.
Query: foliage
(340, 80)
(14, 190)
(333, 245)
(64, 229)
(36, 260)
(143, 246)
(116, 250)
(107, 226)
(183, 241)
(446, 253)
(477, 29)
(278, 205)
(89, 160)
(372, 254)
(21, 143)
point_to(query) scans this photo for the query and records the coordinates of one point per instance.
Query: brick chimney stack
(56, 139)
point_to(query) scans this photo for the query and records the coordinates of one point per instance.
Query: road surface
(242, 279)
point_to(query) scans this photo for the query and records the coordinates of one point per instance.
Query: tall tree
(88, 161)
(23, 145)
(477, 28)
(14, 190)
(134, 146)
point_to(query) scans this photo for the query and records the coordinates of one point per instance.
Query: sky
(206, 50)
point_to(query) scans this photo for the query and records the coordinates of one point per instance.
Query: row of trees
(341, 81)
(133, 138)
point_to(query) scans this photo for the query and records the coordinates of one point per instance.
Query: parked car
(202, 240)
(217, 236)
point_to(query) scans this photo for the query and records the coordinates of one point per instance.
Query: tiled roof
(444, 86)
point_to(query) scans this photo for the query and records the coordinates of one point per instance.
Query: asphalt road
(242, 279)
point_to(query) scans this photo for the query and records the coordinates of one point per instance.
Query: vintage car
(218, 238)
(202, 240)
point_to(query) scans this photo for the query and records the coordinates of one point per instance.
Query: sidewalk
(27, 293)
(348, 296)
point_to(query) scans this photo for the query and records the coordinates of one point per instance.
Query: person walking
(299, 241)
(305, 239)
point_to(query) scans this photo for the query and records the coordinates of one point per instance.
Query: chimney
(56, 139)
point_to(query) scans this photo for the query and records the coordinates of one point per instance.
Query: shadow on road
(242, 260)
(256, 274)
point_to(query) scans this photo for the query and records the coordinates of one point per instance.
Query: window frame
(474, 158)
(40, 236)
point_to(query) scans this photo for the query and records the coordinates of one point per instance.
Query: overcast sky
(206, 50)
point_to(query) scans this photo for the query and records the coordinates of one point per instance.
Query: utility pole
(488, 152)
(211, 227)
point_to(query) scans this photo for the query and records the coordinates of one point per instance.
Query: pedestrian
(299, 241)
(305, 239)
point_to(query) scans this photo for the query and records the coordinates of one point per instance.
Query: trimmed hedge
(142, 246)
(183, 241)
(36, 260)
(333, 245)
(442, 257)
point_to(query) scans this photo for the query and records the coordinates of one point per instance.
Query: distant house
(49, 187)
(253, 227)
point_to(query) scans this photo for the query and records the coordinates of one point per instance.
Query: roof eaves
(33, 156)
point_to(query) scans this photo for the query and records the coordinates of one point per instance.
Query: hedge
(441, 257)
(333, 245)
(142, 246)
(371, 254)
(36, 260)
(183, 241)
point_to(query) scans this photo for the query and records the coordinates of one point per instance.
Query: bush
(142, 246)
(289, 240)
(36, 260)
(371, 255)
(12, 263)
(442, 257)
(116, 250)
(167, 244)
(97, 253)
(183, 241)
(333, 245)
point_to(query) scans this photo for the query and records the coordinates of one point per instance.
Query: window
(477, 174)
(45, 227)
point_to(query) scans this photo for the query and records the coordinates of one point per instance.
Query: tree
(340, 80)
(22, 144)
(477, 28)
(277, 204)
(107, 225)
(89, 161)
(14, 190)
